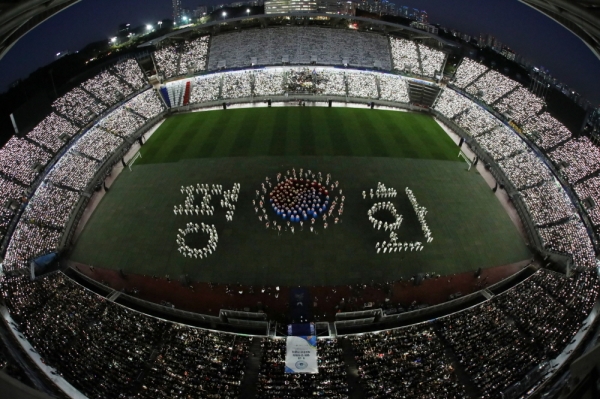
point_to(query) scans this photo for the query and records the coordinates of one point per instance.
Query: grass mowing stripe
(229, 133)
(277, 146)
(245, 134)
(306, 131)
(339, 139)
(293, 134)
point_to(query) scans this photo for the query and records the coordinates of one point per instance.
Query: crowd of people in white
(545, 131)
(107, 88)
(51, 206)
(421, 211)
(53, 132)
(548, 307)
(194, 55)
(468, 72)
(589, 189)
(525, 170)
(491, 86)
(362, 85)
(577, 158)
(27, 241)
(269, 82)
(73, 171)
(167, 61)
(147, 104)
(78, 106)
(298, 45)
(205, 88)
(97, 144)
(237, 85)
(547, 203)
(501, 143)
(22, 160)
(9, 191)
(190, 228)
(130, 71)
(122, 122)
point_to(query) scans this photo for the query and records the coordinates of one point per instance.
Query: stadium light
(248, 11)
(148, 27)
(113, 40)
(224, 14)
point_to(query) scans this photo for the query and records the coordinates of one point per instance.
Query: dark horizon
(539, 39)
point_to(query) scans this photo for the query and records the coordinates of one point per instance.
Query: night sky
(541, 40)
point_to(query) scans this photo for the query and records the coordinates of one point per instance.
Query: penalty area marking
(466, 158)
(132, 161)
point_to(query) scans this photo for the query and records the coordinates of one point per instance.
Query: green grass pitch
(289, 131)
(134, 227)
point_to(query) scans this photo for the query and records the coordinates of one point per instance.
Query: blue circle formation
(298, 200)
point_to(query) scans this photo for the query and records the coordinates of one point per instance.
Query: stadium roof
(17, 17)
(582, 17)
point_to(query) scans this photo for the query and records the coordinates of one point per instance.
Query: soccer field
(134, 227)
(298, 131)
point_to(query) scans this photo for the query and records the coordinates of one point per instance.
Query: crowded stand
(547, 321)
(324, 81)
(577, 158)
(51, 206)
(205, 88)
(362, 85)
(432, 61)
(476, 121)
(590, 189)
(298, 46)
(193, 56)
(413, 353)
(198, 363)
(107, 343)
(9, 191)
(520, 105)
(167, 61)
(49, 132)
(405, 56)
(97, 144)
(147, 104)
(570, 238)
(546, 131)
(491, 86)
(525, 170)
(73, 171)
(547, 203)
(467, 72)
(274, 383)
(22, 160)
(502, 143)
(332, 83)
(393, 88)
(578, 292)
(497, 342)
(237, 85)
(27, 242)
(450, 103)
(121, 122)
(268, 82)
(107, 88)
(78, 106)
(131, 73)
(492, 351)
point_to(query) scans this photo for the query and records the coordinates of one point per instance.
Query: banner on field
(301, 355)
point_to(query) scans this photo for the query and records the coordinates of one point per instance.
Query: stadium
(182, 216)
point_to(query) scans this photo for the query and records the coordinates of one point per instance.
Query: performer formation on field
(299, 199)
